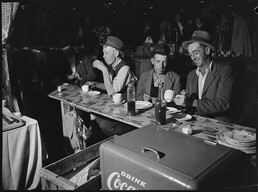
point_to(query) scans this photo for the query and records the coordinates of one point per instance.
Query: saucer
(93, 93)
(118, 103)
(182, 116)
(141, 105)
(173, 110)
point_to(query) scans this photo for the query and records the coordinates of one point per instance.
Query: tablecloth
(22, 154)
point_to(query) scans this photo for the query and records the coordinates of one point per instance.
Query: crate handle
(159, 154)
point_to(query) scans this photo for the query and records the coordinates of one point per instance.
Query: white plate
(93, 93)
(221, 140)
(182, 117)
(65, 84)
(117, 103)
(241, 136)
(172, 109)
(141, 105)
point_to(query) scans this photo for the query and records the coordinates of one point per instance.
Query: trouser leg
(107, 126)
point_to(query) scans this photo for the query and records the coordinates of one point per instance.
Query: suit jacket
(172, 82)
(216, 96)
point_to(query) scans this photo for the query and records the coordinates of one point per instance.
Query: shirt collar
(206, 71)
(116, 63)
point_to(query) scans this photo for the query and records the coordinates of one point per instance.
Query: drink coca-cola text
(115, 181)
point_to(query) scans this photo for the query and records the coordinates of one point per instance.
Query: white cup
(169, 95)
(59, 88)
(117, 98)
(3, 102)
(85, 88)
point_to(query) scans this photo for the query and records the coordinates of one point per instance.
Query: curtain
(8, 13)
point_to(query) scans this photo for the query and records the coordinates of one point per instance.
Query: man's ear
(207, 50)
(152, 61)
(116, 52)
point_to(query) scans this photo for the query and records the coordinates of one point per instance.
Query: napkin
(10, 121)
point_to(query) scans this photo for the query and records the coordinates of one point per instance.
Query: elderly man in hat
(116, 76)
(148, 84)
(208, 87)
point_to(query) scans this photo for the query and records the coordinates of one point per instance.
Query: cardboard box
(150, 158)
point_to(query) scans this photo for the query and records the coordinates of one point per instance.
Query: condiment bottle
(131, 99)
(160, 108)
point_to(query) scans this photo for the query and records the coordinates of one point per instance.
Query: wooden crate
(56, 176)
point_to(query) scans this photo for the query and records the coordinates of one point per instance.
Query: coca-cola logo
(115, 181)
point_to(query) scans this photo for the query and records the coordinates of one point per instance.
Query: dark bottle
(160, 108)
(131, 99)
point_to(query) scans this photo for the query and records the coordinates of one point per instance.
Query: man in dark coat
(209, 86)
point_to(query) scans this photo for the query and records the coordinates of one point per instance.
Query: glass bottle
(160, 108)
(131, 99)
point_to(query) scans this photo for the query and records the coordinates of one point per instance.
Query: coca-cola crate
(70, 173)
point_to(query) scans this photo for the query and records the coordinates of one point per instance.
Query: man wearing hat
(208, 87)
(149, 82)
(116, 76)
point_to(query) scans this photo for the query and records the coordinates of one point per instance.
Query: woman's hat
(202, 37)
(115, 43)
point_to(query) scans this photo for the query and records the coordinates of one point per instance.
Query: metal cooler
(151, 158)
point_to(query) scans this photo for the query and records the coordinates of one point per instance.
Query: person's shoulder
(192, 73)
(221, 65)
(145, 73)
(173, 74)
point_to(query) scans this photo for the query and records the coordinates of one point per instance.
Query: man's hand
(180, 99)
(99, 65)
(146, 97)
(90, 83)
(74, 76)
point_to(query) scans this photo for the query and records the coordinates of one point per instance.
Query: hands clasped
(180, 99)
(74, 75)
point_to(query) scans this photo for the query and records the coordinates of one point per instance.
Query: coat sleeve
(177, 84)
(140, 87)
(173, 82)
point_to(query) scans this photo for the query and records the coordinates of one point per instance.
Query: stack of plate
(239, 139)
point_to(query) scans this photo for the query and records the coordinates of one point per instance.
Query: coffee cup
(85, 88)
(59, 88)
(169, 95)
(117, 98)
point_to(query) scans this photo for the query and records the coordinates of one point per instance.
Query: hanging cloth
(8, 14)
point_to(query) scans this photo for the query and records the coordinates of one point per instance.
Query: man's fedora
(202, 37)
(115, 43)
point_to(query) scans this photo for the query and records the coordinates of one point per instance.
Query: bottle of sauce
(160, 108)
(131, 99)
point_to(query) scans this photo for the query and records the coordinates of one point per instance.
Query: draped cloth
(23, 152)
(241, 42)
(8, 13)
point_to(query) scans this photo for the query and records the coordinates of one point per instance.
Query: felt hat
(115, 43)
(161, 48)
(202, 37)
